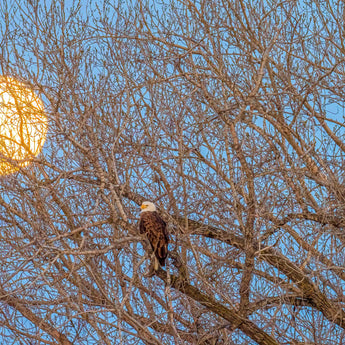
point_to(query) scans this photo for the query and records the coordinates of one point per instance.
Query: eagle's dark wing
(155, 229)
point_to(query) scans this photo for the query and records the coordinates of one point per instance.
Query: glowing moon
(23, 125)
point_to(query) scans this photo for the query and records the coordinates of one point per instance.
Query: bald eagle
(155, 229)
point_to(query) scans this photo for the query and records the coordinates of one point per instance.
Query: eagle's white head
(147, 206)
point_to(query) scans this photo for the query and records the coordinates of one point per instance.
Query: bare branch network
(230, 117)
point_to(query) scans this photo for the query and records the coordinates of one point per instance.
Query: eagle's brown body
(154, 227)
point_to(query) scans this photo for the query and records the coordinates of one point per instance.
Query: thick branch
(231, 315)
(309, 290)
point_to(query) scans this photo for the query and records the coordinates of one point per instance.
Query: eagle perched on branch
(155, 229)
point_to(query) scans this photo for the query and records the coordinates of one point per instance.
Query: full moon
(23, 125)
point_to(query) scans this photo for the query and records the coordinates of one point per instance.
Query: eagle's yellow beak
(143, 206)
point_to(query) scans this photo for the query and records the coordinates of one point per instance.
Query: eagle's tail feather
(162, 261)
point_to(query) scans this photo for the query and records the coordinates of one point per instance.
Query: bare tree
(229, 116)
